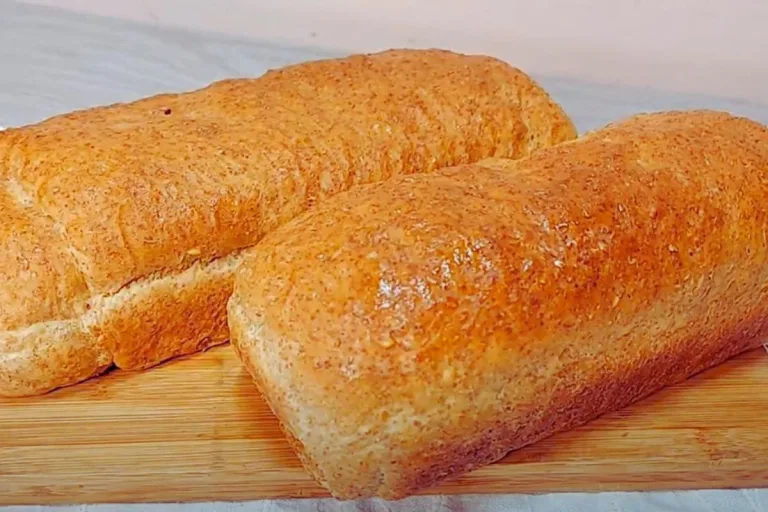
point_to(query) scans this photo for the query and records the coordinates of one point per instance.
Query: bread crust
(415, 329)
(48, 355)
(120, 217)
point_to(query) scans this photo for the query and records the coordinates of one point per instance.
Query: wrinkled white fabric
(688, 501)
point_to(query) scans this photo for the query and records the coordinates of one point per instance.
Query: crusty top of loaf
(388, 269)
(398, 302)
(97, 199)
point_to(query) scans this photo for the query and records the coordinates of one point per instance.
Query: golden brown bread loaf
(122, 225)
(415, 329)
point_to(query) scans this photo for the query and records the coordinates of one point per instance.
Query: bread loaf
(121, 226)
(415, 329)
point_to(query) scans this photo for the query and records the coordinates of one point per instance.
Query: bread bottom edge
(420, 471)
(147, 323)
(466, 456)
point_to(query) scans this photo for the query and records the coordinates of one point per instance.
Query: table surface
(53, 62)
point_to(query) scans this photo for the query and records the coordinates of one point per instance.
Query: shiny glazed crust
(415, 329)
(122, 225)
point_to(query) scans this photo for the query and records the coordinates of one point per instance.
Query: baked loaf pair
(122, 226)
(415, 329)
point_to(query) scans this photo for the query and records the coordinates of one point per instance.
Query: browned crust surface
(414, 329)
(102, 205)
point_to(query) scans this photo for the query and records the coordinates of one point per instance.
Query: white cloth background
(52, 62)
(693, 501)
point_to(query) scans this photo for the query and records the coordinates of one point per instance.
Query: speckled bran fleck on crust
(122, 225)
(415, 329)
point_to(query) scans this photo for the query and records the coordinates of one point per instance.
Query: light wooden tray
(197, 429)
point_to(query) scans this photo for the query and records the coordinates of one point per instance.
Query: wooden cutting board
(197, 429)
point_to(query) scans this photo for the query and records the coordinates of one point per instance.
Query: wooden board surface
(197, 429)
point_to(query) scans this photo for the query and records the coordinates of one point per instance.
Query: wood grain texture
(197, 430)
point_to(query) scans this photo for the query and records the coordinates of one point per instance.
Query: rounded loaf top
(151, 187)
(424, 269)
